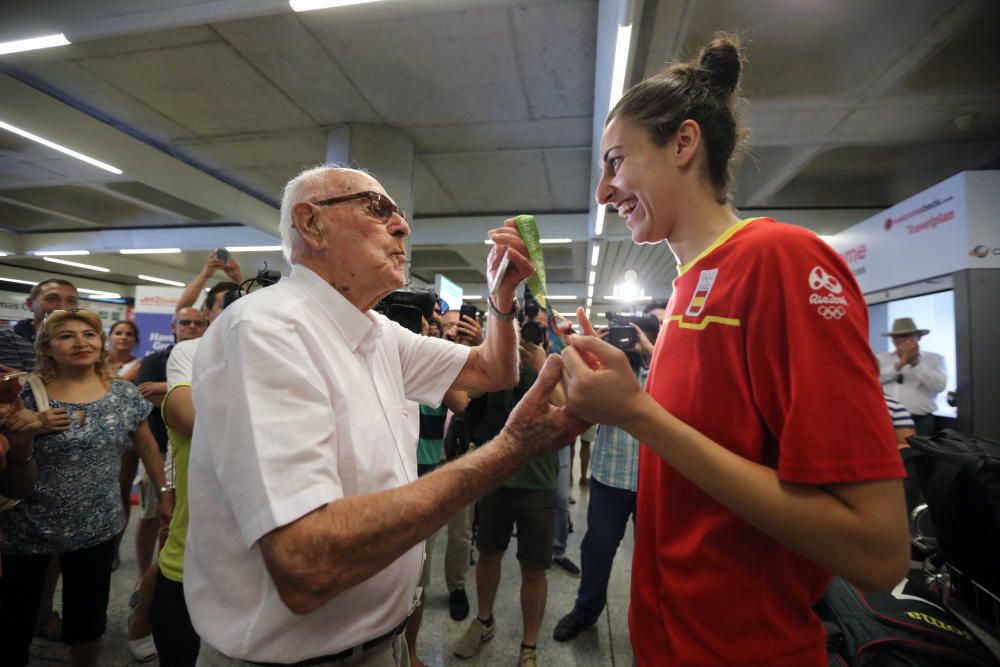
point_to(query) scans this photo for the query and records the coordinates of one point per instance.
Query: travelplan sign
(949, 227)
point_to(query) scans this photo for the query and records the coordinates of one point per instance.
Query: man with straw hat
(910, 375)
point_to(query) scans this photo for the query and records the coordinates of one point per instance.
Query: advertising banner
(154, 311)
(946, 228)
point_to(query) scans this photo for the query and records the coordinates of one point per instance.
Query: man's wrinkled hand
(508, 240)
(535, 425)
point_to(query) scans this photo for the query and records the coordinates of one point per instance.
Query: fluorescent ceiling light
(590, 302)
(5, 254)
(22, 282)
(593, 278)
(60, 253)
(471, 297)
(99, 294)
(62, 149)
(90, 267)
(629, 298)
(310, 5)
(621, 64)
(599, 220)
(150, 251)
(33, 43)
(160, 280)
(253, 248)
(563, 298)
(594, 254)
(590, 292)
(826, 237)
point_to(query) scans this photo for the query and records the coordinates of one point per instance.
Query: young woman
(768, 459)
(74, 510)
(122, 339)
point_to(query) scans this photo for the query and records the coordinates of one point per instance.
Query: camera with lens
(533, 332)
(409, 306)
(622, 335)
(265, 278)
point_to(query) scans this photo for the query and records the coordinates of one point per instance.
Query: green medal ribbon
(528, 230)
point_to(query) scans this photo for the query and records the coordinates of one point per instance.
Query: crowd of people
(316, 448)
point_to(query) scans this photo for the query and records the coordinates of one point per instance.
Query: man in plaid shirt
(614, 472)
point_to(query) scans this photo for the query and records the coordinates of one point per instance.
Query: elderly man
(306, 514)
(912, 376)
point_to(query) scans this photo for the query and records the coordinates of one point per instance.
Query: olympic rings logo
(831, 312)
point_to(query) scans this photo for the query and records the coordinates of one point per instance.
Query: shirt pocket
(376, 461)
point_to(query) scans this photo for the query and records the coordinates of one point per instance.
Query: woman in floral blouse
(75, 509)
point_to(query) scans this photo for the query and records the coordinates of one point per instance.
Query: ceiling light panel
(33, 43)
(58, 147)
(79, 265)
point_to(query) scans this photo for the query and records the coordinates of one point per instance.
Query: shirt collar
(354, 325)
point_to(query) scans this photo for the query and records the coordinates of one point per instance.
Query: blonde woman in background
(74, 510)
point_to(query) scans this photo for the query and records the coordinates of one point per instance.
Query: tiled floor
(605, 644)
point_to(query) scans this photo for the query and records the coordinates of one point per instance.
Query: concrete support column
(383, 152)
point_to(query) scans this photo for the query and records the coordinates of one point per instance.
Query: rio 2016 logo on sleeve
(820, 279)
(830, 306)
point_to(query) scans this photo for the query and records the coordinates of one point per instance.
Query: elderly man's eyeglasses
(380, 205)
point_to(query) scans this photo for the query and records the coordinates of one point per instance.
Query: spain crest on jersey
(705, 281)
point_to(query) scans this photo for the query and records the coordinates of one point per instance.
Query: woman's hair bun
(722, 62)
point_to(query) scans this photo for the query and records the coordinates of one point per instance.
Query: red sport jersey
(764, 349)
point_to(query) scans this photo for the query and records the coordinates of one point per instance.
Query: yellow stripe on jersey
(697, 301)
(681, 268)
(700, 325)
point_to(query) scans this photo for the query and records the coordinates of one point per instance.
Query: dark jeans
(607, 516)
(86, 587)
(176, 641)
(924, 424)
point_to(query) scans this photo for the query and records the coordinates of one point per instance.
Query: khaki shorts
(148, 502)
(534, 513)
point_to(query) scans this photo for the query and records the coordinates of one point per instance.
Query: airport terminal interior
(142, 139)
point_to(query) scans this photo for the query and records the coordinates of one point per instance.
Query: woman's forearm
(857, 531)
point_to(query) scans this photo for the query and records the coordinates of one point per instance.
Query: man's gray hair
(307, 185)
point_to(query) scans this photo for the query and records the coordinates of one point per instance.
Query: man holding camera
(614, 476)
(306, 515)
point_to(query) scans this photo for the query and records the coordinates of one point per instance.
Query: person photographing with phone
(768, 460)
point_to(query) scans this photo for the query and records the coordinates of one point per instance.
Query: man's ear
(308, 225)
(687, 140)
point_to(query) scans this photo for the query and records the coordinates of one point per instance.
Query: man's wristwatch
(168, 488)
(503, 317)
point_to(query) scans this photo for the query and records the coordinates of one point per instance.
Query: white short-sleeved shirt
(180, 364)
(301, 399)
